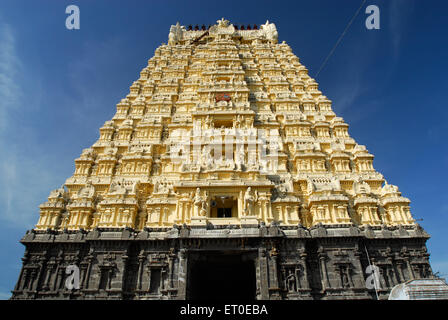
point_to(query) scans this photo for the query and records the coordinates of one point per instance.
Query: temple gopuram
(224, 174)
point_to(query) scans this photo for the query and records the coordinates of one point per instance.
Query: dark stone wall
(324, 262)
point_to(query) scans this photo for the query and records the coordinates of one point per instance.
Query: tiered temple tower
(224, 172)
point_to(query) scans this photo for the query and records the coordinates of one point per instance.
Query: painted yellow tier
(158, 162)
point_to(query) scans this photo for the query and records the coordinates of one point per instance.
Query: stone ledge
(228, 231)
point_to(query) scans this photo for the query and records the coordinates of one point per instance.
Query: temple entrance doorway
(224, 206)
(221, 276)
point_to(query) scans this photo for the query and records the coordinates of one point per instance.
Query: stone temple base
(232, 262)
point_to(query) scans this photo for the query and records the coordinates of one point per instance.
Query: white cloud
(88, 75)
(399, 15)
(348, 93)
(10, 66)
(27, 171)
(353, 83)
(5, 295)
(348, 86)
(25, 175)
(25, 183)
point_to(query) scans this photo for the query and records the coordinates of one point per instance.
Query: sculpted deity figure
(345, 281)
(58, 193)
(249, 200)
(291, 282)
(165, 187)
(111, 150)
(199, 203)
(113, 187)
(87, 191)
(239, 159)
(175, 34)
(361, 187)
(289, 184)
(203, 211)
(338, 145)
(162, 187)
(207, 157)
(223, 23)
(335, 184)
(238, 122)
(156, 187)
(87, 153)
(117, 187)
(208, 122)
(389, 188)
(204, 206)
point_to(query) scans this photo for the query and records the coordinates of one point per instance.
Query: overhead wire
(340, 38)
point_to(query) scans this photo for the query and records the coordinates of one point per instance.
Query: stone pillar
(399, 265)
(171, 258)
(82, 275)
(416, 270)
(180, 211)
(183, 212)
(323, 269)
(163, 276)
(287, 214)
(188, 211)
(263, 211)
(392, 275)
(59, 278)
(349, 276)
(182, 274)
(411, 272)
(383, 278)
(47, 276)
(269, 210)
(149, 278)
(305, 283)
(110, 272)
(122, 277)
(359, 280)
(264, 274)
(141, 259)
(240, 204)
(22, 282)
(41, 265)
(89, 268)
(273, 283)
(32, 280)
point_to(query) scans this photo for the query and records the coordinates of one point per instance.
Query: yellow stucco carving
(192, 144)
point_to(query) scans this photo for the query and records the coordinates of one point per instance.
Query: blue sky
(58, 86)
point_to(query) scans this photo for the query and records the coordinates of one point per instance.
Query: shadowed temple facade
(223, 174)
